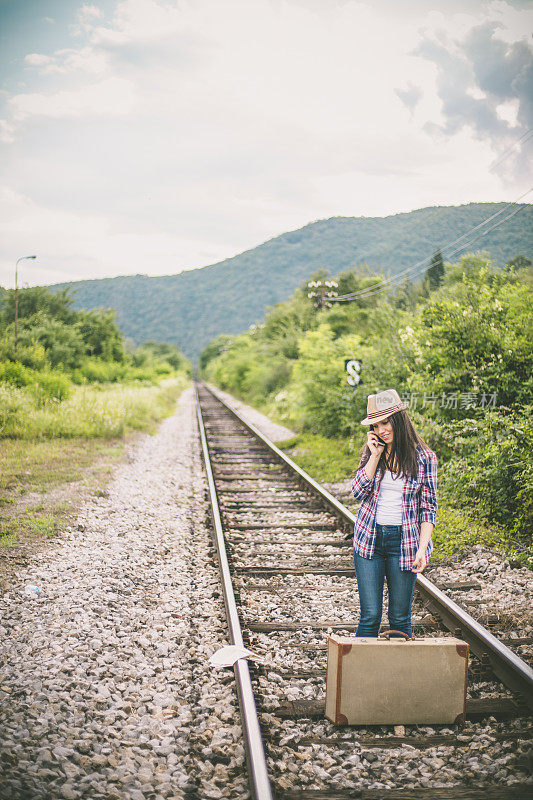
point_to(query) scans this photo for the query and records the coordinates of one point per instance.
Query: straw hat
(381, 405)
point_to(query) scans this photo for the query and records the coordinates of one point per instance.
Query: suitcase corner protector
(462, 649)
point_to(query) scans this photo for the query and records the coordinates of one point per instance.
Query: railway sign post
(353, 368)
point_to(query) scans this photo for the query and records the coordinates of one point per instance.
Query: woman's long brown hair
(403, 456)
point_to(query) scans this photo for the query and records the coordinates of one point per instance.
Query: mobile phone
(380, 440)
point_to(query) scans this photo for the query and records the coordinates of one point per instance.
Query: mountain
(191, 308)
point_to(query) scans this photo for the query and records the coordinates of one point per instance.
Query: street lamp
(17, 296)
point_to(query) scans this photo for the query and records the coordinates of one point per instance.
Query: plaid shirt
(419, 504)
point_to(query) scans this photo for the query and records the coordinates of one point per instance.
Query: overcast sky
(154, 136)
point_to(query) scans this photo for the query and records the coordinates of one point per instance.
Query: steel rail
(506, 665)
(259, 780)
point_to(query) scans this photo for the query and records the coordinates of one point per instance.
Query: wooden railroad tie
(455, 792)
(282, 525)
(392, 742)
(427, 622)
(500, 708)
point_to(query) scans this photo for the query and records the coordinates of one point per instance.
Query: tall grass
(90, 411)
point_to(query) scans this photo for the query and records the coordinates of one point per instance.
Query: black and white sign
(353, 368)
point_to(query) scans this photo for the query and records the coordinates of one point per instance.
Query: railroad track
(284, 547)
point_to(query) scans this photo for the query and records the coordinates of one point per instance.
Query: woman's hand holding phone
(375, 444)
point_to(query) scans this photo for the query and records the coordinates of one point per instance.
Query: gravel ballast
(274, 431)
(105, 689)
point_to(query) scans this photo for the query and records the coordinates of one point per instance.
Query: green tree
(163, 353)
(435, 271)
(475, 336)
(62, 343)
(323, 400)
(518, 262)
(100, 333)
(38, 299)
(213, 350)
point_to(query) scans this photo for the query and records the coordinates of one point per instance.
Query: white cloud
(37, 59)
(88, 12)
(515, 22)
(85, 59)
(7, 132)
(111, 97)
(175, 135)
(140, 20)
(71, 246)
(508, 111)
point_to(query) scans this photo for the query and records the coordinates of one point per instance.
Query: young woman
(396, 483)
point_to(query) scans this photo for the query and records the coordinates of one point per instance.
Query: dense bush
(324, 402)
(62, 342)
(44, 385)
(85, 345)
(162, 357)
(491, 467)
(474, 336)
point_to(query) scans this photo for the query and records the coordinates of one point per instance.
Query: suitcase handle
(386, 634)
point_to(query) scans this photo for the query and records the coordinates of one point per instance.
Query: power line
(424, 262)
(444, 247)
(484, 233)
(507, 152)
(369, 291)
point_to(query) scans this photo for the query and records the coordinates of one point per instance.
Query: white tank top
(389, 508)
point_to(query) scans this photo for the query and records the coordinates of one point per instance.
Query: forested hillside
(191, 308)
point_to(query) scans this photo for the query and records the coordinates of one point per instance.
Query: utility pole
(326, 290)
(17, 297)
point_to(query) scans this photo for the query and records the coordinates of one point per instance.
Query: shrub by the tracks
(491, 469)
(458, 530)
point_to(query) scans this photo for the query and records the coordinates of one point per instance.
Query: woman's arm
(426, 529)
(364, 477)
(361, 484)
(428, 512)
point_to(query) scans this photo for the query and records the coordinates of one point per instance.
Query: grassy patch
(26, 527)
(458, 530)
(42, 524)
(326, 460)
(42, 482)
(39, 466)
(104, 411)
(44, 478)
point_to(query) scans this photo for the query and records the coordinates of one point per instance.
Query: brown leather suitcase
(396, 681)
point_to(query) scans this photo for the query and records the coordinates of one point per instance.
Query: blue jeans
(371, 572)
